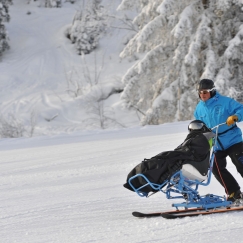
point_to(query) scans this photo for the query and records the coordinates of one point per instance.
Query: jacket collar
(211, 100)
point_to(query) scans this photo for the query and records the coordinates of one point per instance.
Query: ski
(159, 214)
(180, 214)
(146, 215)
(187, 212)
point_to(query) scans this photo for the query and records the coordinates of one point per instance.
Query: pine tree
(182, 42)
(4, 17)
(88, 25)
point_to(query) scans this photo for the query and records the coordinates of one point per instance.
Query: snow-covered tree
(88, 25)
(53, 3)
(4, 17)
(49, 3)
(180, 43)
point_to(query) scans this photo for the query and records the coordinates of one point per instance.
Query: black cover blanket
(160, 167)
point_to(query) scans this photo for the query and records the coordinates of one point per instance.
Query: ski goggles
(195, 126)
(205, 91)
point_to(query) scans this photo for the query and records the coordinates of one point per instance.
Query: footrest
(142, 191)
(209, 201)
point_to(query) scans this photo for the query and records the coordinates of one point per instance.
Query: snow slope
(42, 66)
(66, 186)
(68, 189)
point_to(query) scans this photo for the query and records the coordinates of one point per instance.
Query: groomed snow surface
(65, 184)
(69, 188)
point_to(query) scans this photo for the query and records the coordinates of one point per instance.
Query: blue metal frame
(188, 189)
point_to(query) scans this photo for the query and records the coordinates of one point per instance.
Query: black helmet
(199, 126)
(207, 84)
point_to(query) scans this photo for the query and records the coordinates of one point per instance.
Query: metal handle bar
(217, 128)
(218, 125)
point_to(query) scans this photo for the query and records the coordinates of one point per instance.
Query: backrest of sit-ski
(196, 170)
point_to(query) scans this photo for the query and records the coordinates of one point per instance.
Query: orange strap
(221, 175)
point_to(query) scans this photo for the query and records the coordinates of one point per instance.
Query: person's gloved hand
(231, 120)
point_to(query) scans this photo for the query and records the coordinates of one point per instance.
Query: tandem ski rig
(179, 186)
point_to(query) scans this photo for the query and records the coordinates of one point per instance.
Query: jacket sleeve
(236, 108)
(196, 114)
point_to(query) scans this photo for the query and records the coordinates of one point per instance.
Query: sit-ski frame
(188, 189)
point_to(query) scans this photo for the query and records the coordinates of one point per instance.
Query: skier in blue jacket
(214, 109)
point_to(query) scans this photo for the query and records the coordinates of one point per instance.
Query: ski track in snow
(35, 58)
(40, 66)
(68, 188)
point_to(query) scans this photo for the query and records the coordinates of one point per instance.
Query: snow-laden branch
(167, 7)
(145, 64)
(202, 35)
(232, 50)
(185, 22)
(130, 4)
(211, 65)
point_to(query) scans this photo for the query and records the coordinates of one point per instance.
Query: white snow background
(65, 184)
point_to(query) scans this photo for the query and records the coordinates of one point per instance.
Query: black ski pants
(235, 152)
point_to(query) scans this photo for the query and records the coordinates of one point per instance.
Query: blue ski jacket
(216, 110)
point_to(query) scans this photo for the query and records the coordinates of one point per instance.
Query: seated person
(195, 151)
